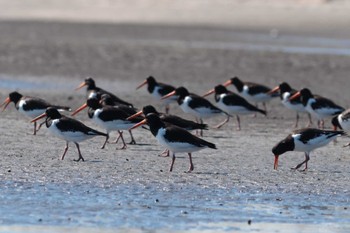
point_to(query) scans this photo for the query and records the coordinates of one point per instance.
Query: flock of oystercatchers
(114, 114)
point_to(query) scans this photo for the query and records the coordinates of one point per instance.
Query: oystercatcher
(304, 140)
(233, 104)
(92, 90)
(174, 138)
(195, 105)
(67, 129)
(30, 106)
(318, 106)
(171, 119)
(252, 92)
(110, 118)
(342, 121)
(158, 90)
(286, 92)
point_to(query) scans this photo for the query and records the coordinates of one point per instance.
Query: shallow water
(155, 206)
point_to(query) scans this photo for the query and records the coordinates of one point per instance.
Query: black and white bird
(93, 90)
(304, 140)
(318, 106)
(342, 121)
(158, 90)
(233, 104)
(253, 92)
(30, 106)
(171, 119)
(67, 129)
(195, 105)
(174, 138)
(296, 105)
(109, 118)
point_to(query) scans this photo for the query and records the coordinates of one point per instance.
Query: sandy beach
(47, 50)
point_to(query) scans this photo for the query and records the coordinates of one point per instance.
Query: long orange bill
(209, 92)
(142, 84)
(169, 95)
(38, 117)
(273, 90)
(139, 124)
(227, 83)
(135, 115)
(83, 84)
(79, 109)
(275, 166)
(296, 95)
(6, 103)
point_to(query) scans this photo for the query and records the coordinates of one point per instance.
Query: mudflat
(132, 189)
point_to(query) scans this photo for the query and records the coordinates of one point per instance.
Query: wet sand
(49, 59)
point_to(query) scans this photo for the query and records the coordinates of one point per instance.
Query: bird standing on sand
(342, 121)
(304, 140)
(285, 93)
(67, 129)
(174, 138)
(195, 105)
(30, 106)
(232, 104)
(318, 106)
(252, 92)
(93, 90)
(158, 90)
(110, 118)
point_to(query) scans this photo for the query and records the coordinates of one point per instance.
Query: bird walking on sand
(304, 140)
(30, 106)
(253, 92)
(232, 104)
(174, 138)
(195, 105)
(93, 90)
(286, 92)
(158, 90)
(318, 106)
(67, 129)
(110, 118)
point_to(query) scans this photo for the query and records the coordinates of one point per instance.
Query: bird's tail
(95, 132)
(208, 144)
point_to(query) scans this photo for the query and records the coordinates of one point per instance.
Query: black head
(335, 123)
(151, 80)
(306, 93)
(93, 103)
(107, 100)
(15, 96)
(90, 83)
(154, 122)
(52, 113)
(284, 87)
(181, 92)
(220, 89)
(149, 109)
(283, 146)
(237, 83)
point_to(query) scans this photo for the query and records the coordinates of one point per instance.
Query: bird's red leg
(65, 151)
(297, 121)
(191, 163)
(165, 153)
(239, 123)
(133, 142)
(34, 133)
(124, 144)
(222, 123)
(104, 144)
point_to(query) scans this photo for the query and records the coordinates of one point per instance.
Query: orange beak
(273, 90)
(275, 166)
(296, 95)
(142, 84)
(169, 95)
(38, 117)
(79, 109)
(6, 103)
(227, 83)
(209, 92)
(83, 84)
(335, 128)
(139, 124)
(135, 115)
